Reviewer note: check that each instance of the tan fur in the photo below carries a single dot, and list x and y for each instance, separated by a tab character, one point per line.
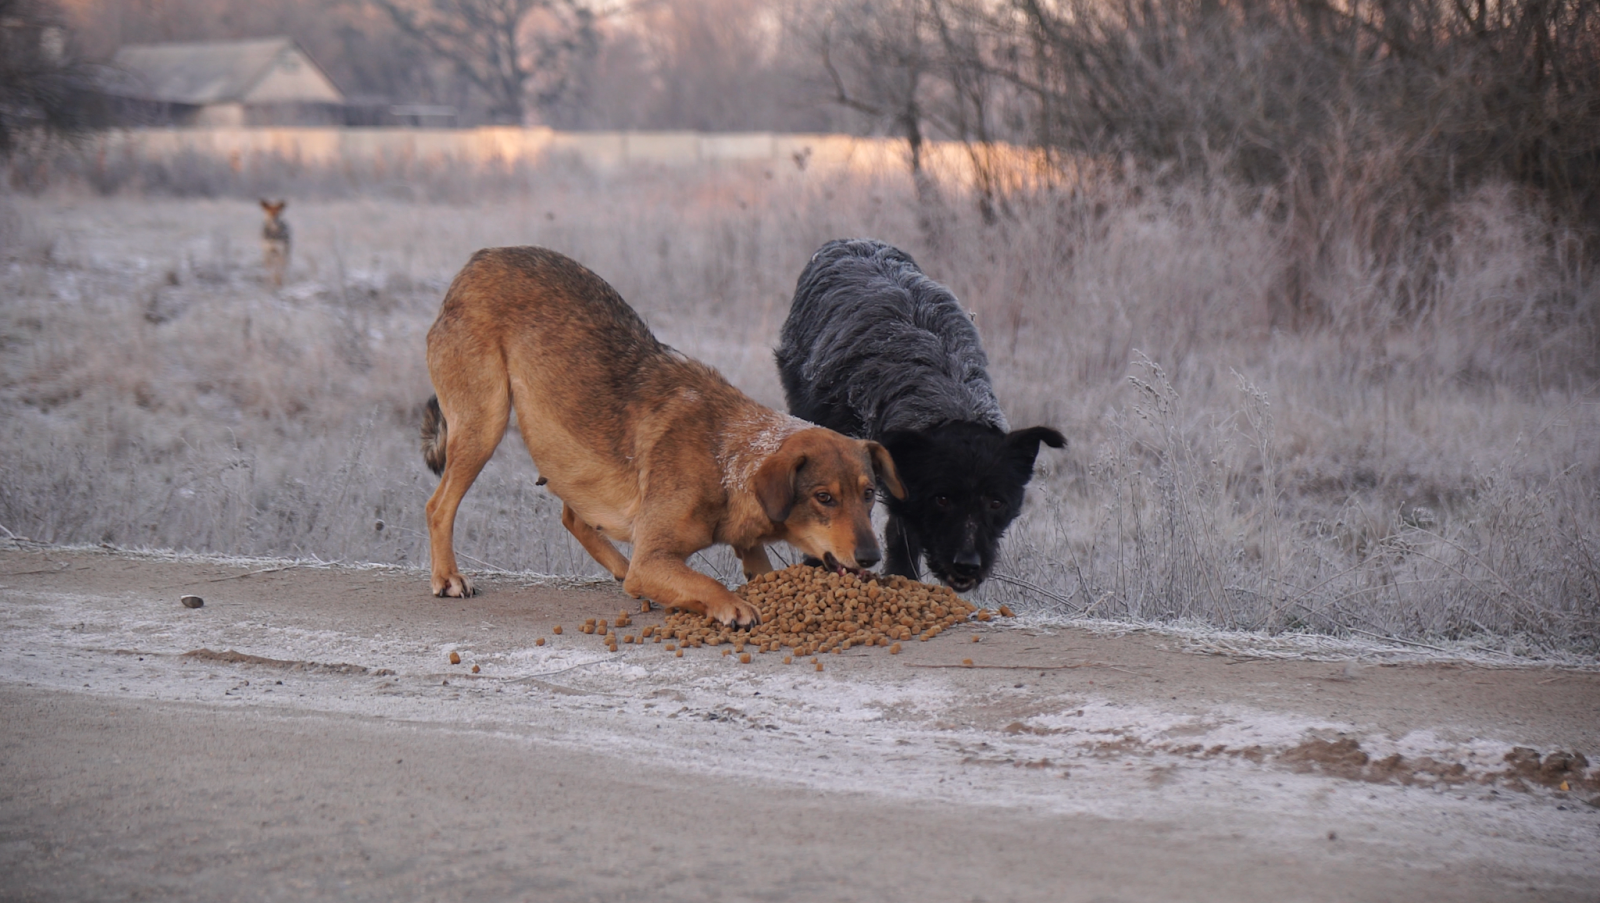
641	444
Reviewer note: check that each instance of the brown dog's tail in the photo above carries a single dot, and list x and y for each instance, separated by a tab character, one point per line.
434	433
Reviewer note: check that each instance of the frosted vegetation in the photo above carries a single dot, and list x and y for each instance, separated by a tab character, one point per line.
1417	461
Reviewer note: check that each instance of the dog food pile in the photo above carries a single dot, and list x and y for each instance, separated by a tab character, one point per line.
809	611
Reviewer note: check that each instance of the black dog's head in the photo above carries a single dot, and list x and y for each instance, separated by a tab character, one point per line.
964	484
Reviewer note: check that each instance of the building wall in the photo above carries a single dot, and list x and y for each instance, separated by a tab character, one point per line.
293	79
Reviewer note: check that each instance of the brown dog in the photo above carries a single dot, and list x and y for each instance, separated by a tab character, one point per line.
640	443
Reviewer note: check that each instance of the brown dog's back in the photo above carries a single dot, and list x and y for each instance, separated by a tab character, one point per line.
641	444
585	375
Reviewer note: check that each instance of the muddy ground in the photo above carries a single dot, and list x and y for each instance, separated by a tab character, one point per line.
303	735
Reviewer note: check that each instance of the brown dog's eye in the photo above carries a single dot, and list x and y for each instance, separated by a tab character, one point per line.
825	498
868	495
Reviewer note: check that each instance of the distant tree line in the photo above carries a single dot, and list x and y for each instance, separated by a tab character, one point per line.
643	64
1408	102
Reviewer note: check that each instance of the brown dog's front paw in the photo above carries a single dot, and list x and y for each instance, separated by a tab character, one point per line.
455	586
735	613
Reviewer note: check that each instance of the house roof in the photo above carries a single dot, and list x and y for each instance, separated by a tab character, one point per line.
208	72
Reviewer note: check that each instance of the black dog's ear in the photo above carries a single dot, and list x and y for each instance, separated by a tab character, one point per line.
1022	446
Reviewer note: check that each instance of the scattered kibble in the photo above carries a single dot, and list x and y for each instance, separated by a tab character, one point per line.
1006	612
539	641
556	630
455	658
744	658
811	610
808	611
475	669
819	666
975	638
967	662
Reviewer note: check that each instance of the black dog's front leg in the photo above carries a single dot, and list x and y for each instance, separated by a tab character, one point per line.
903	549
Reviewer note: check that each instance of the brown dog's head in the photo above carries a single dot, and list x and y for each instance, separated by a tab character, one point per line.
820	486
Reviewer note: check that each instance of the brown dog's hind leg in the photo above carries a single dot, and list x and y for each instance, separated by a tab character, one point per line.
475	418
598	547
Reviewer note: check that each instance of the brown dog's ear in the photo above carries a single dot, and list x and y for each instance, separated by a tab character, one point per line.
883	468
266	204
773	484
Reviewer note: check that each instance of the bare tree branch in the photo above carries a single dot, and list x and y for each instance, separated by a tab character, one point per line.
521	53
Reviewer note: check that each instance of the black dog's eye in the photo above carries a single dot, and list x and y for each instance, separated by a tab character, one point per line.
996	504
943	501
825	498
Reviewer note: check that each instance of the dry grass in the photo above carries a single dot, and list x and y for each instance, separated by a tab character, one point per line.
1426	476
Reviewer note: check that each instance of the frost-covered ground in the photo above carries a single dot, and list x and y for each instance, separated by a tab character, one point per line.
1414	776
1426	479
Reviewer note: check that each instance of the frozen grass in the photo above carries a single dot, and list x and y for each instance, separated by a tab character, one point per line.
1424	476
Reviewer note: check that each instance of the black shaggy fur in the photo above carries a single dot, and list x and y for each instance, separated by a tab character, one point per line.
877	350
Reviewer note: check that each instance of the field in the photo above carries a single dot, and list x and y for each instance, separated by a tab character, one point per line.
1412	467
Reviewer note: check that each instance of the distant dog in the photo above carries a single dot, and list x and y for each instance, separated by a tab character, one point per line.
275	241
640	443
875	349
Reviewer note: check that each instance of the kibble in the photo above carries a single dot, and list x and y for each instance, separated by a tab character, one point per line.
810	610
539	641
475	669
556	630
455	658
1005	612
744	658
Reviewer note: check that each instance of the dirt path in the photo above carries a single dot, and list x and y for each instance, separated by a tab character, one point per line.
304	736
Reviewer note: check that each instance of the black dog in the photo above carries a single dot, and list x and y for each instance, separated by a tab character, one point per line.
875	349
